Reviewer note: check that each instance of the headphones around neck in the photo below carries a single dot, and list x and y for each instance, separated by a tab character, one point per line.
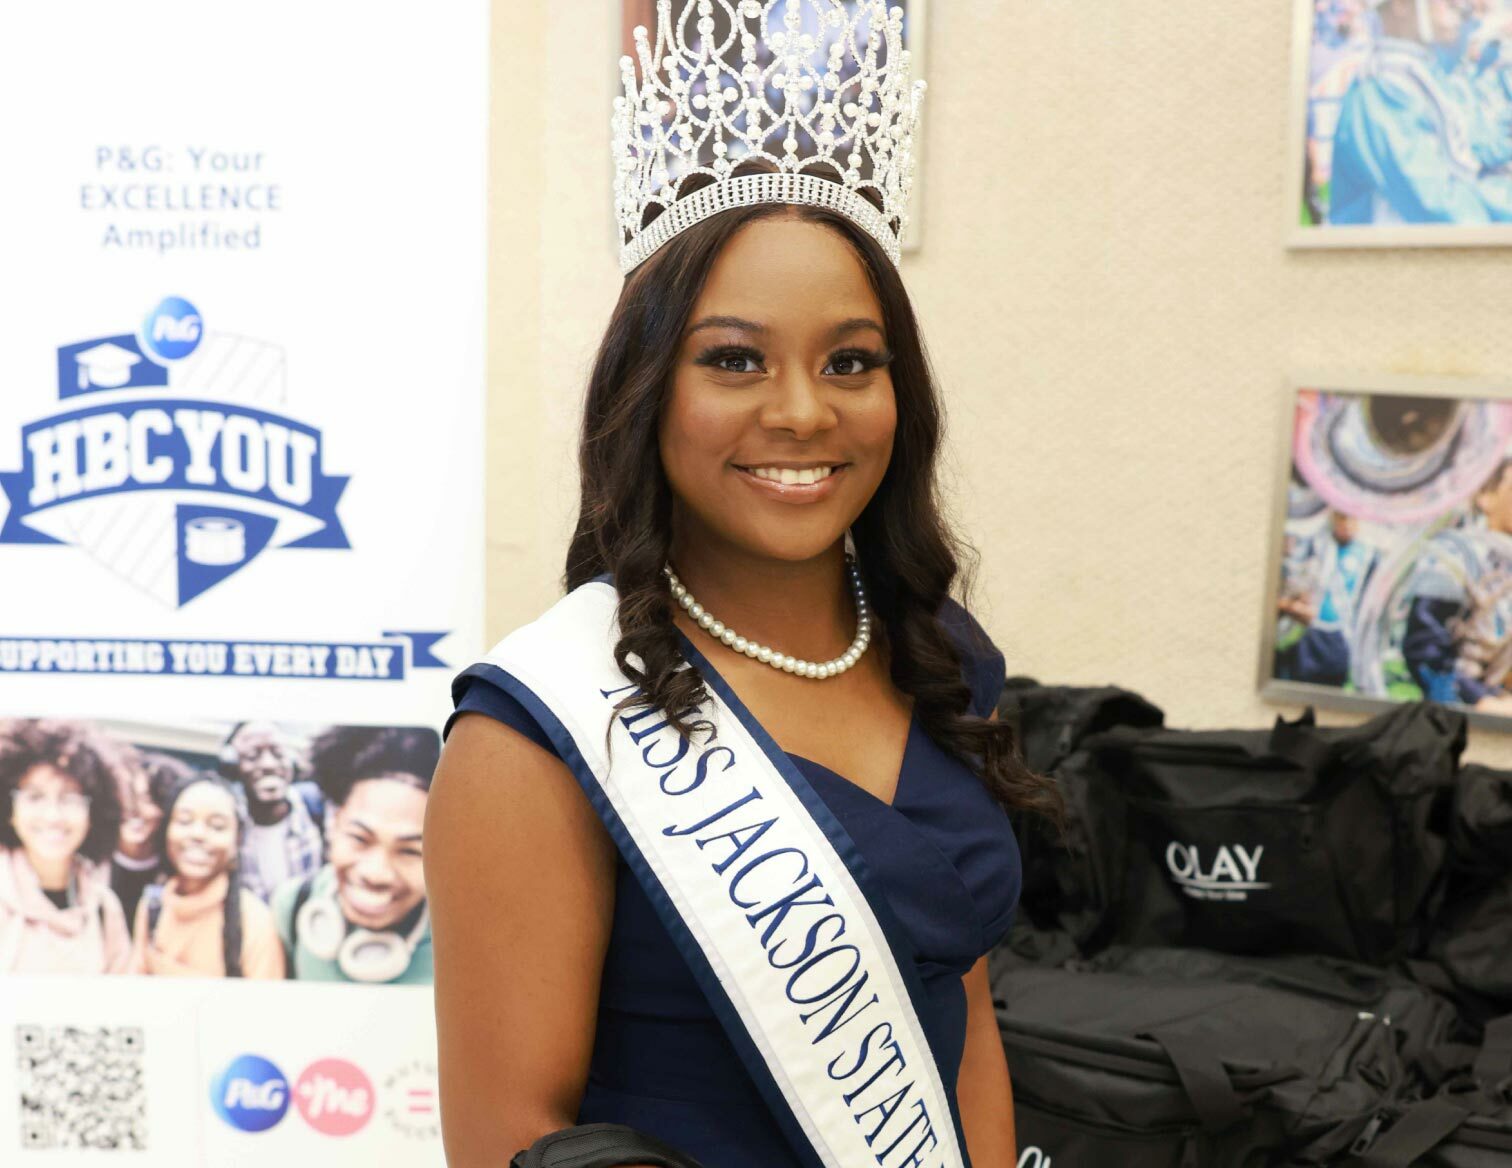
362	955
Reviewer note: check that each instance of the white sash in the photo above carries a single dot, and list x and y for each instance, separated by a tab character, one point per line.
759	886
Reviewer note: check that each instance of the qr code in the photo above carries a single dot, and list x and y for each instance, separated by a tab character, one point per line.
82	1087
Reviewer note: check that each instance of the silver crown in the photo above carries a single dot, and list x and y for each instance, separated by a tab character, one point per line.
811	98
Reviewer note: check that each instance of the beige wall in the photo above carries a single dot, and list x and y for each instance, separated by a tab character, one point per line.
1106	295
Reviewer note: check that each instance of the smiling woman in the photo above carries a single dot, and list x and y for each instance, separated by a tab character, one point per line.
60	820
717	845
200	921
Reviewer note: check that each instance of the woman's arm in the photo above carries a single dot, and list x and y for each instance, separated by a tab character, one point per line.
983	1091
520	876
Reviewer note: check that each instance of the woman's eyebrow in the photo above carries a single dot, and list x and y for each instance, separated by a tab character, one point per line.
732	322
854	324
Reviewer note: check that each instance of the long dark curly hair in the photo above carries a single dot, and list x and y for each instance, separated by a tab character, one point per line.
231	924
908	554
79	751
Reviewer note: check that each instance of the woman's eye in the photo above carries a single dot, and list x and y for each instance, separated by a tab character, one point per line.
730	360
738	363
854	363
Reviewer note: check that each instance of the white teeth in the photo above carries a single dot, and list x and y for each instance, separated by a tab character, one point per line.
790	476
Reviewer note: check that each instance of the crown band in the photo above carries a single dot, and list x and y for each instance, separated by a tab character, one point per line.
799	86
749	190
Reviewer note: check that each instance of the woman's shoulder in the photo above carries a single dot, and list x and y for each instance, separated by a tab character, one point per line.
982	662
255	914
569	625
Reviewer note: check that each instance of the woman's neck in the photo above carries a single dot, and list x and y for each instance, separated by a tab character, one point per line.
803	608
52	874
193	886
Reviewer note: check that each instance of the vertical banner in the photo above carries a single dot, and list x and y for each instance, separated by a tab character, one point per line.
241	553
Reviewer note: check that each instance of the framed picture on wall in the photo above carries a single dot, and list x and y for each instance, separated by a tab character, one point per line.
1390	575
1401	123
635	13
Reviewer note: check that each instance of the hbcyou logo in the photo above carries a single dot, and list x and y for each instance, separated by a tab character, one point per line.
1233	875
1033	1158
335	1097
251	1093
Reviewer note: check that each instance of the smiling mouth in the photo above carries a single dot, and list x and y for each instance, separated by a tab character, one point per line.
801	475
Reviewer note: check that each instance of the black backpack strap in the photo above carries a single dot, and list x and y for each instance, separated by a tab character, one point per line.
1202	1075
1493	1065
154	896
1421	1129
600	1145
302	895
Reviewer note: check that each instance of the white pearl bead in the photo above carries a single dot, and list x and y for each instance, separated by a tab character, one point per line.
695	610
728	636
811	670
788	665
716	627
705	620
764	655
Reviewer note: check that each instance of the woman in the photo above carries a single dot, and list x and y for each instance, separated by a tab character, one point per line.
62	813
148	778
730	897
200	922
363	917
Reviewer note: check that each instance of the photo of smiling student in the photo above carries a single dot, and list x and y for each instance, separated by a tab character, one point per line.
149	778
284	836
200	921
363	917
58	828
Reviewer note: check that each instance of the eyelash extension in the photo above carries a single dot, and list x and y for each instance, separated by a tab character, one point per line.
870	358
718	353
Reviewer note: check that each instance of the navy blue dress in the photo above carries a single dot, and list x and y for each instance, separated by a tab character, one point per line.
943	851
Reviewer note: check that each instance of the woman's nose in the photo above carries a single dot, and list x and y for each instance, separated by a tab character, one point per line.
797	405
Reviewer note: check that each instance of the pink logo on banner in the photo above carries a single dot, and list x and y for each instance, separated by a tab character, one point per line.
335	1097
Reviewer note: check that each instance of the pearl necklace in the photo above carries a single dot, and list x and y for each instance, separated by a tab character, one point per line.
817	670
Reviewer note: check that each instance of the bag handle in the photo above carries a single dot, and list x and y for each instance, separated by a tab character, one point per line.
1421	1129
1299	743
1203	1077
600	1145
1493	1065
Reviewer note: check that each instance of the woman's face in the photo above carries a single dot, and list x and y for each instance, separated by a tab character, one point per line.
50	815
141	817
780	421
375	851
202	833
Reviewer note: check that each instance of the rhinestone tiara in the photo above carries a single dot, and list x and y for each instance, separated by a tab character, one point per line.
818	101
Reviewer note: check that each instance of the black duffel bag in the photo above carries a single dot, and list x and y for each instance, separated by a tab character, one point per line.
1051	722
1422	1022
1467	1124
1296	839
1471	938
1115	1069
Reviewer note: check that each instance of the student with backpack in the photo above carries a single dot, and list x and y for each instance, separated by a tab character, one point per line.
201	921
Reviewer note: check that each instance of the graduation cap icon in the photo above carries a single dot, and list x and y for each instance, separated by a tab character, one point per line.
105	366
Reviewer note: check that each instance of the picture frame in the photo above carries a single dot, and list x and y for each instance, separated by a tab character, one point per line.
1448	194
1389	567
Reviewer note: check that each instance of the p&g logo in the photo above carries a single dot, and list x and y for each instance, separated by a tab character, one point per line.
251	1094
172	329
